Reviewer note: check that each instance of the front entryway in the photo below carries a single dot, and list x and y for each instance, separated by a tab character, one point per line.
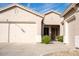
52	31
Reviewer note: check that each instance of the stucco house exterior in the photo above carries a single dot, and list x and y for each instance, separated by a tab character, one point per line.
71	24
19	24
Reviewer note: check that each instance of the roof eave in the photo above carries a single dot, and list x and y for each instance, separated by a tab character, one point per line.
52	11
69	8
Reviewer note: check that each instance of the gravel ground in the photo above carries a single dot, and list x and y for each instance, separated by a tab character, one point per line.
64	53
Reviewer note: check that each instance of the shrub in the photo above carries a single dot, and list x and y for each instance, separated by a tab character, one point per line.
59	38
46	39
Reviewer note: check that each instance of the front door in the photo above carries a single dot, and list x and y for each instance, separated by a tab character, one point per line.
53	33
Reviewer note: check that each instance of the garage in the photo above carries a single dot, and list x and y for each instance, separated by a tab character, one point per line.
19	25
22	33
17	32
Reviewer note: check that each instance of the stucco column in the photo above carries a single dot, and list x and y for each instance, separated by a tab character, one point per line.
38	37
61	29
66	40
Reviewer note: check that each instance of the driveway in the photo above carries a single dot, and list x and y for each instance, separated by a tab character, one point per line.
17	49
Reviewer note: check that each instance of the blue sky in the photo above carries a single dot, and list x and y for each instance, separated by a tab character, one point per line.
42	7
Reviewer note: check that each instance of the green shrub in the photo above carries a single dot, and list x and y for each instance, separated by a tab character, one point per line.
46	39
59	38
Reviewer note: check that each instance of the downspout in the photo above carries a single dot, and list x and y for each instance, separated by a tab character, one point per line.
42	29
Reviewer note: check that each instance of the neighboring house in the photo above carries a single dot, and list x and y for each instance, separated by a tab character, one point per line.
20	24
71	24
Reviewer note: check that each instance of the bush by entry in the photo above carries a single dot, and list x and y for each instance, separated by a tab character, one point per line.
59	38
46	39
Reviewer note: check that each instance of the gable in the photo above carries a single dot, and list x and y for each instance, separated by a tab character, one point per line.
17	14
57	13
52	19
22	7
52	14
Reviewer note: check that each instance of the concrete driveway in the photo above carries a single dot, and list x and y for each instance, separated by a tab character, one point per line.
17	49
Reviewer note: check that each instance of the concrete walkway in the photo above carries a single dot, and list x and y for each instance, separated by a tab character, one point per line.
13	49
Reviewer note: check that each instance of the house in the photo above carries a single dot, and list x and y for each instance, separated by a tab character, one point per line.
71	22
19	24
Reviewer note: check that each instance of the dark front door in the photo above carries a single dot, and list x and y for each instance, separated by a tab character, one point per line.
53	33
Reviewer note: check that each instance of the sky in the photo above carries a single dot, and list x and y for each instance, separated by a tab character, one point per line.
42	7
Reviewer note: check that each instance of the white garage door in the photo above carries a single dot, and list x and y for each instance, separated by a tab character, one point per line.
3	32
71	31
23	33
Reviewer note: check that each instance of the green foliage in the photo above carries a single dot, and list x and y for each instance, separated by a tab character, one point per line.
59	38
46	39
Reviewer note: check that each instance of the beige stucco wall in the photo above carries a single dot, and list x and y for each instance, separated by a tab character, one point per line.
3	32
77	23
54	19
19	15
70	28
71	32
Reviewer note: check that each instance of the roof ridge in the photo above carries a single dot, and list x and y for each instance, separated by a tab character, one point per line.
52	11
31	9
19	5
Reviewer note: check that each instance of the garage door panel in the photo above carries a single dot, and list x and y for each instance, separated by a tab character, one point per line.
4	32
22	32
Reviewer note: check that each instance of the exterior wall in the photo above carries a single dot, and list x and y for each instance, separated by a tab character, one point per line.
17	15
77	29
77	23
70	26
69	29
54	19
71	32
3	32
